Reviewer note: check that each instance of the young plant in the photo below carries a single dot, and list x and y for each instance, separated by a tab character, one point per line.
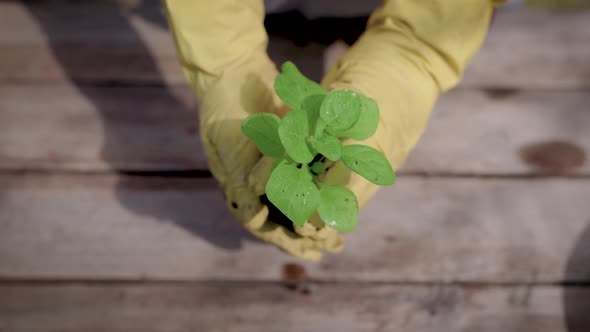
301	142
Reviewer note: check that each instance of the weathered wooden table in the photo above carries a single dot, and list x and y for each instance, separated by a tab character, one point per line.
110	221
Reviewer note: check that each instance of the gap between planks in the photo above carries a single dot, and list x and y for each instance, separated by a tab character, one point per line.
81	227
552	50
134	129
233	307
285	280
206	174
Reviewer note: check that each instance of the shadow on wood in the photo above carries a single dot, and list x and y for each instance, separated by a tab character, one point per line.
162	102
576	303
119	141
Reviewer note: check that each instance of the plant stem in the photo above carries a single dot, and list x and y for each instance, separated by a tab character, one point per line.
315	159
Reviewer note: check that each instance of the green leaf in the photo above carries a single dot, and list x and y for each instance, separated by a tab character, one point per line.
277	162
318	167
341	109
367	123
292	191
262	128
328	145
292	87
311	105
338	208
368	163
293	132
319	128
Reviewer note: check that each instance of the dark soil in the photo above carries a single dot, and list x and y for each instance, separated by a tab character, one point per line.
275	215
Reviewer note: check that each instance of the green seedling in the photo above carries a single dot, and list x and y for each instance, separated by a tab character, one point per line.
310	134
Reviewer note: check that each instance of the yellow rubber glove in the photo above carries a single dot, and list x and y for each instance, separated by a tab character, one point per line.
411	52
222	50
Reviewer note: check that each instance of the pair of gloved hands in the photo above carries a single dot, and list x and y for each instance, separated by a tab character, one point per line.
412	51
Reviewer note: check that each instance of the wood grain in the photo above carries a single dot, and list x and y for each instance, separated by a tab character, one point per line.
422	229
63	127
517	54
492	132
93	42
271	307
105	43
480	243
87	128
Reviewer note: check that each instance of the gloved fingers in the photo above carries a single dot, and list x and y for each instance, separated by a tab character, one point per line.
289	242
312	237
245	205
229	100
307	242
316	229
308	248
259	175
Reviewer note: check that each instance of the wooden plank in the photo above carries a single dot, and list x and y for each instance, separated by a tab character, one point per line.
91	42
270	307
471	132
534	49
85	42
559	4
88	128
422	229
97	42
506	132
532	65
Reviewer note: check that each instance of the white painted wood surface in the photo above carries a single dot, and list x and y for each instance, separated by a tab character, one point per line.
62	127
496	201
272	307
100	43
421	229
